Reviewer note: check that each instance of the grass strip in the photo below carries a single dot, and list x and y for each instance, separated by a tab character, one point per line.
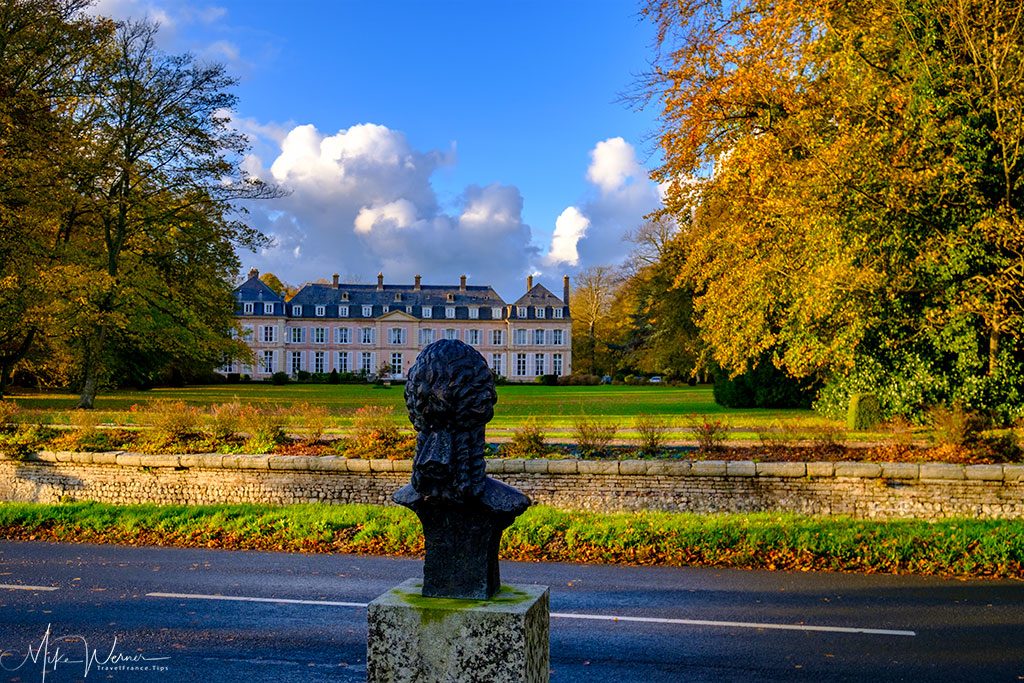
954	547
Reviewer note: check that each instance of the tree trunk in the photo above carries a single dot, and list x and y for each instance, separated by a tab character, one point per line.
993	351
8	361
91	367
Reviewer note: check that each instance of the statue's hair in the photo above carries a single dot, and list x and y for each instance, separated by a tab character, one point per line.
451	389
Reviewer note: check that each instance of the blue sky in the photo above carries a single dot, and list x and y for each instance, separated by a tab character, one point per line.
438	138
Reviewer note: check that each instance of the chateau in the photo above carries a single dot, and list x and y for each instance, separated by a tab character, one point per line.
363	328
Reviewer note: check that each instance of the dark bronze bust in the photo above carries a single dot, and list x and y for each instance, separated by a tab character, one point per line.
450	396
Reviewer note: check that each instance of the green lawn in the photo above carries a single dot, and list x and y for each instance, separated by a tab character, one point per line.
554	407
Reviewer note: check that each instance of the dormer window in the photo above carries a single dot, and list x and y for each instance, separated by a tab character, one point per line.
321	311
556	313
408	309
247	308
367	311
398	296
385	308
449	311
344	296
342	311
474	312
539	312
428	311
496	313
520	311
268	309
450	297
296	310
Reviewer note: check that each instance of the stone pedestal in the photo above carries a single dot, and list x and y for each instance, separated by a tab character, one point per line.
413	639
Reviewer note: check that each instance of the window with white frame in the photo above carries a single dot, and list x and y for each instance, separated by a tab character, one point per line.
520	364
367	311
449	311
520	311
268	309
396	335
556	313
538	312
295	361
385	309
319	335
342	311
496	313
396	363
428	311
366	335
268	361
426	336
318	361
558	337
538	337
519	337
497	337
556	364
247	333
538	364
497	364
366	362
473	337
451	333
321	311
247	307
341	362
342	335
297	310
474	312
294	335
269	334
408	309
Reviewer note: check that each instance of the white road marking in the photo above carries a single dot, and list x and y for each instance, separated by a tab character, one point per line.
19	587
735	624
568	615
240	598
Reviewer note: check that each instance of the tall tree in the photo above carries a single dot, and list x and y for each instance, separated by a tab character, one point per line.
592	318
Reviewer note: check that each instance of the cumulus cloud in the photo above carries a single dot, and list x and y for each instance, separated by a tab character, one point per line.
361	201
592	232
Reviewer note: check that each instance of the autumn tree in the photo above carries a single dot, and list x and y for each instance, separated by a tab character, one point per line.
592	319
859	211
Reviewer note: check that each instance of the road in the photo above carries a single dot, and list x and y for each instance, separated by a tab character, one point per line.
673	624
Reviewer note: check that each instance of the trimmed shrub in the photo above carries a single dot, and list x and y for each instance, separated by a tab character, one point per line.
865	412
548	380
333	377
593	437
527	442
279	378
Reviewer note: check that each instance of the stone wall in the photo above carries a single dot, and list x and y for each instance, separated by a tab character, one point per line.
863	490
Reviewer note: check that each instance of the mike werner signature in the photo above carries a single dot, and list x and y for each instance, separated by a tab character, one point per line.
50	656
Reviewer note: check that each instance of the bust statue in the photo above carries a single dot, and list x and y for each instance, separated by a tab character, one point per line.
450	396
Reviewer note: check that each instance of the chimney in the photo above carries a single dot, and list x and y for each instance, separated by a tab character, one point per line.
335	279
253	273
462	283
529	282
380	282
565	289
416	287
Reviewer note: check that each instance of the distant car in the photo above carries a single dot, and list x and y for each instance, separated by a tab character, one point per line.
655	380
607	379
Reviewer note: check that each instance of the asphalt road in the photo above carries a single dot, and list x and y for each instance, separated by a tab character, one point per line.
674	625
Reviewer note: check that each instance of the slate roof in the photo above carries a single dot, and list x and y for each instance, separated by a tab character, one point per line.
255	290
539	296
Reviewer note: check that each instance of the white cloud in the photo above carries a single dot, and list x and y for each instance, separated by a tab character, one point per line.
591	233
361	201
613	165
570	227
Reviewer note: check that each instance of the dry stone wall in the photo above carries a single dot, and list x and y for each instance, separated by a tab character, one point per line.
862	490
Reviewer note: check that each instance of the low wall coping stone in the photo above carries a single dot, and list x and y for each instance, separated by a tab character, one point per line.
1013	472
562	467
491	466
160	460
515	466
858	470
741	468
64	456
535	466
634	467
403	465
984	472
382	465
129	459
941	470
358	465
901	470
46	456
708	468
781	469
104	458
598	467
821	469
